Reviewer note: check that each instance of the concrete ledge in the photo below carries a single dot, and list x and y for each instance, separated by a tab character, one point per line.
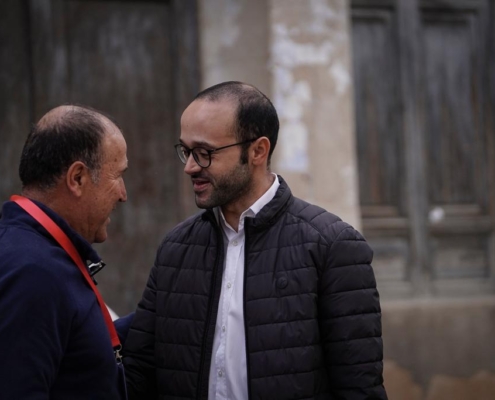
440	345
400	386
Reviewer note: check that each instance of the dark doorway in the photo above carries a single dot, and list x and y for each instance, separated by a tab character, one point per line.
425	92
134	60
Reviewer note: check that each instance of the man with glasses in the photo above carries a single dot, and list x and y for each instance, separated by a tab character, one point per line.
262	295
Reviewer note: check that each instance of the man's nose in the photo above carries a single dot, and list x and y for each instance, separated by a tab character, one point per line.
123	194
191	167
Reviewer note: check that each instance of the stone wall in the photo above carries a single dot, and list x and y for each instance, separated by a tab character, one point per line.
234	42
401	386
298	53
439	348
312	90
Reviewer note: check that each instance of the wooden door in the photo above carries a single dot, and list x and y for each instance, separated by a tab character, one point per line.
137	61
424	76
15	99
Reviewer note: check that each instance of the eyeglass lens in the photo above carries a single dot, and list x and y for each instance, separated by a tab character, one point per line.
200	155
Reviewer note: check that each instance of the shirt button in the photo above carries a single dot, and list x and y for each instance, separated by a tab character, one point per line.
229	285
220	373
223	328
235	243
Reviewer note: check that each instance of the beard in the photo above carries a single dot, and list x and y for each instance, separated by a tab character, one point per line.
225	189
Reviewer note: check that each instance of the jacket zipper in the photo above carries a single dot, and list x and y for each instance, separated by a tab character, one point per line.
248	379
203	387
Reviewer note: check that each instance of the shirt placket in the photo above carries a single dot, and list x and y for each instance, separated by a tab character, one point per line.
232	260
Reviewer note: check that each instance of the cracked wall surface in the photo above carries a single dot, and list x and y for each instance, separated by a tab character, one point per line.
297	52
311	86
234	42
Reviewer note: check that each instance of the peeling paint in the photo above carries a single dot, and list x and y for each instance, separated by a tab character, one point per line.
311	43
341	77
290	53
322	14
232	13
294	152
291	98
296	97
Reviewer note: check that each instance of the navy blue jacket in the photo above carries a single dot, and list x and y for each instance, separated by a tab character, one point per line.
54	343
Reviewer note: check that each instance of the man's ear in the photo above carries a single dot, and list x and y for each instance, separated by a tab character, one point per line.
77	177
260	150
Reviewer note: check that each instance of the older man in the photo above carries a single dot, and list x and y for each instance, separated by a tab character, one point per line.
57	340
262	295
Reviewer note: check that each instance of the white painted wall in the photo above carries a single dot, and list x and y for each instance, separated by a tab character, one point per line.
297	52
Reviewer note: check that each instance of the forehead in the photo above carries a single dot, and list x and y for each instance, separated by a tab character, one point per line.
114	149
208	122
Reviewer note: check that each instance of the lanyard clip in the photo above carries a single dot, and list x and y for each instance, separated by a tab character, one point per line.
118	356
94	268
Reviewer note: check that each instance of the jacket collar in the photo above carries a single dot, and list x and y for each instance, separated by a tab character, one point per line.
13	215
269	214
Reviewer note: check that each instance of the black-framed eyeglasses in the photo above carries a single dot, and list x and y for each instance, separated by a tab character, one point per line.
201	155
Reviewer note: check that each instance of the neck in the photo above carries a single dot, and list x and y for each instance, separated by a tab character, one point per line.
56	200
41	196
232	212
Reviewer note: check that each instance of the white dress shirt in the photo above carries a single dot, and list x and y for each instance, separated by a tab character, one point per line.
228	372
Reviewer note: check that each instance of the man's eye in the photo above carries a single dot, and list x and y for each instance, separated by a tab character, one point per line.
202	153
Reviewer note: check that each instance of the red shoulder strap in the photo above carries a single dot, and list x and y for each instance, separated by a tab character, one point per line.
62	239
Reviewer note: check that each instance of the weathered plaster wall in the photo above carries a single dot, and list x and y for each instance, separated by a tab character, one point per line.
234	42
400	385
440	338
297	52
312	91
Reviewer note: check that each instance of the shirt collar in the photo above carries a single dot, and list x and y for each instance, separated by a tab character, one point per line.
254	209
266	198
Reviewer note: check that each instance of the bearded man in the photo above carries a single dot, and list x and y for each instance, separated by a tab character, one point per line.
262	295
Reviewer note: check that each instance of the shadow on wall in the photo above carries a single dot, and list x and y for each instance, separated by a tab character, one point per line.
401	386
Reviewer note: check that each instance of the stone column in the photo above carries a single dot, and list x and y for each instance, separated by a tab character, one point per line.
312	91
234	42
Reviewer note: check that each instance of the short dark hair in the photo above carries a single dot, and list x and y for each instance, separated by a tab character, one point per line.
255	115
56	142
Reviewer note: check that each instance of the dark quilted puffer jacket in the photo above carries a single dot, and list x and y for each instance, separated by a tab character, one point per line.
312	313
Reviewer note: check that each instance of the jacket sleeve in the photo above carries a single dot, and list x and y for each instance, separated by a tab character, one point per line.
350	319
139	349
34	329
122	326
